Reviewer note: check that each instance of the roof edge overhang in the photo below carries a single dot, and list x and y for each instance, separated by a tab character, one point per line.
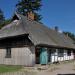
54	46
12	36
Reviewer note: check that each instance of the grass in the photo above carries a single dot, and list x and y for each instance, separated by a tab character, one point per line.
5	68
10	70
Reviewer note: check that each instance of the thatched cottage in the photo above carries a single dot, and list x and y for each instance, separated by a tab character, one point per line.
27	42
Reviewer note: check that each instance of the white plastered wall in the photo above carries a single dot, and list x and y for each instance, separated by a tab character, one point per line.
55	58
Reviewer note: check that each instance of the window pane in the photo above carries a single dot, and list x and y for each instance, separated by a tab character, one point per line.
8	53
60	52
69	52
53	51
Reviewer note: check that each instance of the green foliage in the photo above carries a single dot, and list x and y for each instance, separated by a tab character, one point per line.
6	22
25	6
2	19
3	22
37	17
1	16
71	35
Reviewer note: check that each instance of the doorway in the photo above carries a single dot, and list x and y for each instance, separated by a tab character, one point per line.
37	55
41	56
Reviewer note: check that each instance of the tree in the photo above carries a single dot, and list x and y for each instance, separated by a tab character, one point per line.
7	21
2	19
25	6
71	35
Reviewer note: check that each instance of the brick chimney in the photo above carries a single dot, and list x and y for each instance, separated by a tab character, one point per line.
30	15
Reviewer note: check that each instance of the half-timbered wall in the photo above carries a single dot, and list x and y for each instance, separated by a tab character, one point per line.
55	57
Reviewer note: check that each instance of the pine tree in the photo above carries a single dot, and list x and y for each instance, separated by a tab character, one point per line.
71	35
2	19
25	6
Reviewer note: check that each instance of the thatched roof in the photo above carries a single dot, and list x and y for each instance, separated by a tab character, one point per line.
39	34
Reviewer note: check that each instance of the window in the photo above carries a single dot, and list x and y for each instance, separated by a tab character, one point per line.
68	52
53	51
49	55
8	53
60	52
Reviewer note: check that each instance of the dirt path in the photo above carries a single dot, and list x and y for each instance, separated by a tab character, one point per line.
67	68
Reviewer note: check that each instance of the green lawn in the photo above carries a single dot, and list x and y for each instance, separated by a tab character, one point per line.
5	68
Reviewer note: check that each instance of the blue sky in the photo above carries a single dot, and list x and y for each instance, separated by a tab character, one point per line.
59	13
